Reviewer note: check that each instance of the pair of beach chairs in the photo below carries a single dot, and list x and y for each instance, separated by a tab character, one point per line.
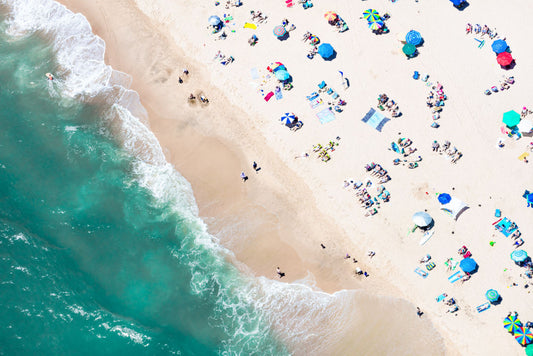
322	87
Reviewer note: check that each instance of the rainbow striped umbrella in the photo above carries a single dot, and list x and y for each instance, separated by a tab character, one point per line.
280	31
523	336
371	15
331	16
512	323
375	25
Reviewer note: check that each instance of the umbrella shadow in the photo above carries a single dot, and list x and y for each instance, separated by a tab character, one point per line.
462	6
510	66
284	37
332	57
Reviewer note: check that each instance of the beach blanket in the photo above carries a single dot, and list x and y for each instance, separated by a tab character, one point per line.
375	119
254	73
421	272
456	276
483	307
279	95
315	102
269	95
325	116
504	226
250	25
441	297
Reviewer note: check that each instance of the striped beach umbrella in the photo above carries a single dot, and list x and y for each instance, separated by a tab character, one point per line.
413	37
523	336
512	323
492	295
375	25
519	255
371	15
529	350
279	31
331	16
287	118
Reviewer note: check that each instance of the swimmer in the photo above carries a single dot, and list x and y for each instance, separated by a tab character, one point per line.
49	76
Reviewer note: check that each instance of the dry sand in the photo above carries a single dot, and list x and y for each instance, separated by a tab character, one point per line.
283	213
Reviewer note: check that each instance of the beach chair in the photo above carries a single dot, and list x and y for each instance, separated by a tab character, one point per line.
467	254
329	91
307	5
335	95
313	96
416	75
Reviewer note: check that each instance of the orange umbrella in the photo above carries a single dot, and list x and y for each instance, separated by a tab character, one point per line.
504	59
331	16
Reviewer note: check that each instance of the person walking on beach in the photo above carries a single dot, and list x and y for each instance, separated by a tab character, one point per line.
255	167
244	177
419	312
185	71
280	274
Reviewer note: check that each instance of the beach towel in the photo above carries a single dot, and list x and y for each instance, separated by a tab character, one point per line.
523	155
250	25
315	102
269	95
279	95
420	272
483	307
504	226
441	297
254	73
456	276
375	119
325	116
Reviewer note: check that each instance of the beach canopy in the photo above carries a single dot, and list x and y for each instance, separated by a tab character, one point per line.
525	126
279	31
492	295
413	37
519	255
375	119
504	59
326	50
214	20
512	323
371	15
511	118
288	118
468	265
529	350
444	198
331	16
499	46
375	25
422	219
282	74
408	49
523	336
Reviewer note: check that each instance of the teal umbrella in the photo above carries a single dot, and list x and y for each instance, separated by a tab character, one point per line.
492	295
408	49
519	255
511	118
512	323
282	75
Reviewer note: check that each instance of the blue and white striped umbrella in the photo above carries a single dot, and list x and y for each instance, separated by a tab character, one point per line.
287	118
413	37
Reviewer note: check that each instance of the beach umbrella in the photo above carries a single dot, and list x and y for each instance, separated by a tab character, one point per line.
457	2
413	37
279	31
325	50
529	350
504	59
468	265
282	75
499	46
525	126
371	15
331	16
287	118
492	295
529	198
523	336
512	323
511	118
422	219
444	198
214	20
408	49
519	255
375	25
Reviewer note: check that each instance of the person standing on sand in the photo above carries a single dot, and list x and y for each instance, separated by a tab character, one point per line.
280	274
419	312
254	166
244	177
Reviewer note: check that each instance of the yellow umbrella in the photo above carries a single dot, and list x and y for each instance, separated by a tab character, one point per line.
331	16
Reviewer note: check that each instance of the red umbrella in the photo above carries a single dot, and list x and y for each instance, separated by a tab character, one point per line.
504	58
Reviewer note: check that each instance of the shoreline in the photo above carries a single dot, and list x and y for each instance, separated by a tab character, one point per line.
247	201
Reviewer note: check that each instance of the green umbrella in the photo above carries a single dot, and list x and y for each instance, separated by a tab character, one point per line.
529	350
409	49
511	118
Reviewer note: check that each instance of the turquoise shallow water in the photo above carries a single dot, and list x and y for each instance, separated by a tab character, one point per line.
90	262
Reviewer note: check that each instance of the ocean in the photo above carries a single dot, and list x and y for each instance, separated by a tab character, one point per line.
102	251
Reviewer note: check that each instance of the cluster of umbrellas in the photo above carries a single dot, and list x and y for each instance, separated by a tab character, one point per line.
412	39
374	19
512	119
279	70
523	335
503	57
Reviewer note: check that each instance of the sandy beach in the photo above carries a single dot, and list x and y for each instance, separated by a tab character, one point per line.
283	213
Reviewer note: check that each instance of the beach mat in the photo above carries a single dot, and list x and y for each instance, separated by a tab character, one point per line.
254	73
456	276
325	116
375	119
250	25
279	95
441	297
315	103
269	96
421	272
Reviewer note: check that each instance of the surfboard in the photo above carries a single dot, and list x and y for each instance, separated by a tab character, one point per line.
426	237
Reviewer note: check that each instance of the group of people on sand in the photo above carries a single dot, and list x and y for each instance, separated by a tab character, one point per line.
385	103
453	153
482	31
323	152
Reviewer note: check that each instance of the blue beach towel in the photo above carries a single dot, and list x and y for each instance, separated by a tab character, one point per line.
315	102
504	226
456	276
441	297
420	272
279	95
254	73
375	119
325	116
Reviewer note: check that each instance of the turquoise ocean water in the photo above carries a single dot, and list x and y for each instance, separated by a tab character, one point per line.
92	260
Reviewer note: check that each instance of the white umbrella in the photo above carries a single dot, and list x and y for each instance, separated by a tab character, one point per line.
525	125
422	219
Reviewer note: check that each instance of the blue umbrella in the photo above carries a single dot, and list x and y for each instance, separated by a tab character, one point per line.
519	255
282	75
457	2
530	198
413	37
492	295
325	50
468	265
214	20
499	46
287	118
444	198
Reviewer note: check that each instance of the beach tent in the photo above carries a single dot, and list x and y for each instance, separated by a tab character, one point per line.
413	37
511	118
214	20
504	59
499	46
282	75
422	219
512	323
519	255
492	295
326	50
468	265
525	126
375	119
452	205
